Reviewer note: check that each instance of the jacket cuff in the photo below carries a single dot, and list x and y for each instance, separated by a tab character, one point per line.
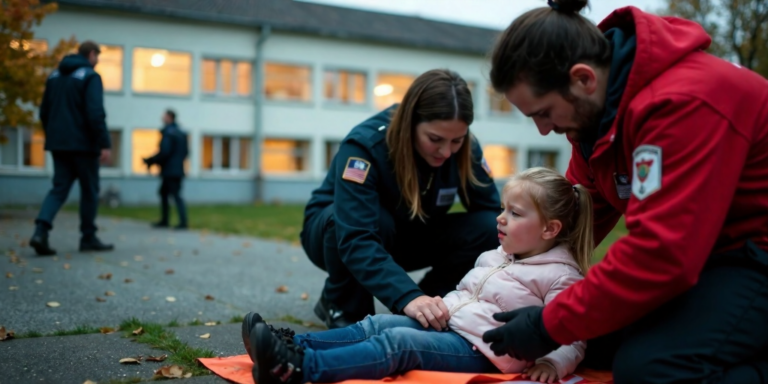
403	301
555	327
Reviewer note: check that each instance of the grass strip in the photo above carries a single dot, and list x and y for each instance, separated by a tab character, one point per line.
158	337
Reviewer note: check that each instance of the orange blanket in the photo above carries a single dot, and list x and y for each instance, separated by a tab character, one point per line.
238	370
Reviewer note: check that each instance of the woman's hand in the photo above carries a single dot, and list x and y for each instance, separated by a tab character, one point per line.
544	373
428	311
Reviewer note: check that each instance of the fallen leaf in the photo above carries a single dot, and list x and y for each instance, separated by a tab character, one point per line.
23	243
170	298
127	281
52	304
109	293
209	297
13	288
305	296
5	335
123	263
68	256
89	382
66	266
100	299
156	358
205	336
171	372
246	244
188	375
105	276
37	270
106	330
9	275
138	331
281	289
145	298
129	360
169	271
138	258
308	324
38	281
211	323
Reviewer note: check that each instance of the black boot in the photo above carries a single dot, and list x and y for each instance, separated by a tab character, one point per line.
160	224
250	321
334	317
39	242
276	362
92	243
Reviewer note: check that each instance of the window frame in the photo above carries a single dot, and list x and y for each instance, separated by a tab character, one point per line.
311	81
19	166
368	93
489	92
217	94
216	152
544	149
517	149
119	169
121	91
380	72
306	172
191	93
326	159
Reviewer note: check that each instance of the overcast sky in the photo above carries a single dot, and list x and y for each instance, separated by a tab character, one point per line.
487	13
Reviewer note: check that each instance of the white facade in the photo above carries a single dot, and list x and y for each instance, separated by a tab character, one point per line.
314	122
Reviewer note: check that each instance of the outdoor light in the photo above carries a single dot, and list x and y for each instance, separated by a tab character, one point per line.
383	90
157	60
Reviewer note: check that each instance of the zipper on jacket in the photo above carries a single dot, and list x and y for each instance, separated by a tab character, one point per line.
480	285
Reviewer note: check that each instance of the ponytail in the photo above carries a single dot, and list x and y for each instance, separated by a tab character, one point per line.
580	238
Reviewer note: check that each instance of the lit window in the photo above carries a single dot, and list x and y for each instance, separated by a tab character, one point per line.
22	148
117	139
284	156
390	89
224	153
161	71
331	148
345	87
144	143
501	159
499	105
287	82
547	159
227	77
110	67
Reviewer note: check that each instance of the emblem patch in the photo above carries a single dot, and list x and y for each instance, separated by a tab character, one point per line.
356	170
446	196
646	171
486	167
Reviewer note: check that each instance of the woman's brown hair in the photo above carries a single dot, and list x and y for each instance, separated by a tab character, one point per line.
438	94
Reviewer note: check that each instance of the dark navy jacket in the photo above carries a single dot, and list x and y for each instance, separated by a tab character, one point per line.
72	111
173	150
356	205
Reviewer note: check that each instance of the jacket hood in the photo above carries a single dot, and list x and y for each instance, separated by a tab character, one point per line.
661	42
556	255
73	62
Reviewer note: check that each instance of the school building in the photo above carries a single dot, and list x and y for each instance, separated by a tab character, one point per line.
266	89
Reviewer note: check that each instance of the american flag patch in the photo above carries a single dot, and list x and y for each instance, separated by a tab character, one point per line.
356	170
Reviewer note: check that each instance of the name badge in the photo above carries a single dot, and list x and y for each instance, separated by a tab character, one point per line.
446	196
623	185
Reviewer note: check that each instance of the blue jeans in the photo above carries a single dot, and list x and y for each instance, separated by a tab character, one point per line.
382	345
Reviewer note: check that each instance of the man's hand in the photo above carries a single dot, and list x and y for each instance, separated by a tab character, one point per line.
428	311
523	336
106	154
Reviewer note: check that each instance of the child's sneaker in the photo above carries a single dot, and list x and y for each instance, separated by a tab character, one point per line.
276	362
250	321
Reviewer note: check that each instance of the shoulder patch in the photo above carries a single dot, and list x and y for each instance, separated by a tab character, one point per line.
486	167
55	73
80	73
356	170
646	171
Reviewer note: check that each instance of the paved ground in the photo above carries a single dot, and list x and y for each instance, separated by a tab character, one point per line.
156	276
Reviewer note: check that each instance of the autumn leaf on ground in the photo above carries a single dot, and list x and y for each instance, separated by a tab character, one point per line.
138	332
305	296
211	323
145	298
68	256
109	293
171	372
105	276
100	299
170	299
246	244
37	270
14	288
38	281
169	271
5	335
209	297
106	330
9	275
66	266
281	289
205	336
52	304
130	360
123	263
138	258
156	358
89	382
128	281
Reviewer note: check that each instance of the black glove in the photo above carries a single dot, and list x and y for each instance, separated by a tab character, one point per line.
523	337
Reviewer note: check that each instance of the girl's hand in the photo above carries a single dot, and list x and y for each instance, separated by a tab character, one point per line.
544	373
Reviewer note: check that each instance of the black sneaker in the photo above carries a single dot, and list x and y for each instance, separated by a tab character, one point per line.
39	242
94	244
276	362
181	227
160	224
250	321
332	316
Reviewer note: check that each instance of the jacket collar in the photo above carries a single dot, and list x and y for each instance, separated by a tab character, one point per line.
556	255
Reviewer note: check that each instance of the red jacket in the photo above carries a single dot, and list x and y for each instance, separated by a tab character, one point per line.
692	134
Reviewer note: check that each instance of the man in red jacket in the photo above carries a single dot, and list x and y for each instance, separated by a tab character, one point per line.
676	140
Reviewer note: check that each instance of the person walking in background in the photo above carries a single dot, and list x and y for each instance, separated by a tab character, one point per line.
74	121
170	158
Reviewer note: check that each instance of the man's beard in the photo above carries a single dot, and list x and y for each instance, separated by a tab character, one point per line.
586	115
